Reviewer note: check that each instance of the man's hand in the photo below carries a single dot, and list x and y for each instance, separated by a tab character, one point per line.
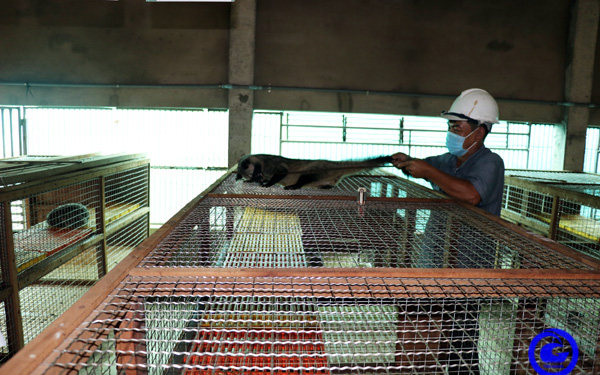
415	167
399	157
412	167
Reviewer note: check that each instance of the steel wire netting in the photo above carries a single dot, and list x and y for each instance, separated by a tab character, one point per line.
121	244
528	203
578	218
297	233
126	191
329	325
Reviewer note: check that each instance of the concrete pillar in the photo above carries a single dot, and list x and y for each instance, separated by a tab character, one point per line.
578	83
241	72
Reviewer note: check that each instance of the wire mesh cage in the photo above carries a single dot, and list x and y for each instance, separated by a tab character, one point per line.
564	206
242	283
327	325
64	227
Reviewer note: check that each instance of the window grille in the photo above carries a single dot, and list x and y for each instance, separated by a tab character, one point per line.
187	148
13	133
335	136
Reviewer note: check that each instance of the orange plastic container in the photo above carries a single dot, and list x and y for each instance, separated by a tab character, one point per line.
263	352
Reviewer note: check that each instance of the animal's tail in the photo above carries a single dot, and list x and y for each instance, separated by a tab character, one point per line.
374	162
359	164
380	160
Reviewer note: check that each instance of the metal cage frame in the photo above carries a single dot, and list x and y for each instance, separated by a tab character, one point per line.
151	317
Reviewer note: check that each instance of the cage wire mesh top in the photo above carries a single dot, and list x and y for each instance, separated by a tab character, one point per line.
579	182
15	170
298	233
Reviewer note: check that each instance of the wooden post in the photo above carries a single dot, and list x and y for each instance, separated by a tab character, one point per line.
555	218
409	238
102	255
452	234
12	306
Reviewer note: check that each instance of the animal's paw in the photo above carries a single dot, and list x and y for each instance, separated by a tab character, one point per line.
326	187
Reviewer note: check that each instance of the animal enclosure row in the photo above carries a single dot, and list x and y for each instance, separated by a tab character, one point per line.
254	280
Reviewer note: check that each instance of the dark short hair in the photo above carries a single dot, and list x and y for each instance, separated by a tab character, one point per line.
475	124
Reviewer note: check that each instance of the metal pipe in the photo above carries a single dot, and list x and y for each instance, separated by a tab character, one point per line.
29	85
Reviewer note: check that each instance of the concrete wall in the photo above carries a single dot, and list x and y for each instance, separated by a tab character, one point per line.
433	47
377	56
110	43
509	47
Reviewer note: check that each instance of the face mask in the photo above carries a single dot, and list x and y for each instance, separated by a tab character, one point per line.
454	143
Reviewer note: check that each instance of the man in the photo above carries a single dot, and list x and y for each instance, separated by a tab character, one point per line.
469	171
472	173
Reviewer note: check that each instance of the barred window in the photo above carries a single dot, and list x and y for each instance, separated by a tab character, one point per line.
336	136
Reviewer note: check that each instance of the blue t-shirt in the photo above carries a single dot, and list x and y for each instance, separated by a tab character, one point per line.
484	169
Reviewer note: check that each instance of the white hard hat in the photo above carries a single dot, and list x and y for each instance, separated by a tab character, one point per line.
474	104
